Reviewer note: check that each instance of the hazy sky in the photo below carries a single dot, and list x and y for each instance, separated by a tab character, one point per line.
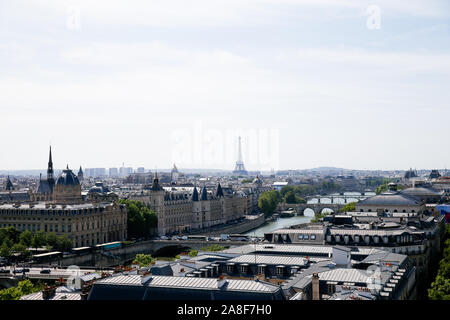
306	83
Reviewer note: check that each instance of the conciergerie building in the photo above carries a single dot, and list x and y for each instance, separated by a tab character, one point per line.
57	206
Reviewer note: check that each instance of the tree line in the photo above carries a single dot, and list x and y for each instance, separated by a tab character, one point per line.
141	221
440	288
14	241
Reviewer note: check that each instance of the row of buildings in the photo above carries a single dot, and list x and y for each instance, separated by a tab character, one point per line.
186	208
256	272
57	206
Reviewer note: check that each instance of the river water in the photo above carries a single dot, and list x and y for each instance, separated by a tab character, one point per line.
309	214
278	224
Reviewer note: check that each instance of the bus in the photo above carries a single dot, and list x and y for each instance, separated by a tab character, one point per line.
47	257
239	237
108	246
81	250
202	238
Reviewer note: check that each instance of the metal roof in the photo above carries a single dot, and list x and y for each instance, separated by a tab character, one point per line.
270	260
344	275
294	249
57	296
189	282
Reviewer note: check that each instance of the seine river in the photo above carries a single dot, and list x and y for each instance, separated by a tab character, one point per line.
279	223
309	214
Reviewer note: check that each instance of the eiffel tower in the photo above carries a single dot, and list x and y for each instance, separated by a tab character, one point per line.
239	168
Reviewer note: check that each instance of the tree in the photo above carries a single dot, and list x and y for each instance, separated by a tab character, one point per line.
23	288
143	260
141	220
5	249
268	201
38	239
50	239
349	207
11	233
20	248
26	238
63	243
440	288
193	253
213	247
291	197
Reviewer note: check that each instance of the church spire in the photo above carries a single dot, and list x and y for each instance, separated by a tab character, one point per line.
50	174
155	185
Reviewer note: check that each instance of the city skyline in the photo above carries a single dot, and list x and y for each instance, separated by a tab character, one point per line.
358	85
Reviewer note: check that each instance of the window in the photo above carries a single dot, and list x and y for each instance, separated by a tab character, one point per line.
331	288
300	237
280	271
313	237
230	268
306	237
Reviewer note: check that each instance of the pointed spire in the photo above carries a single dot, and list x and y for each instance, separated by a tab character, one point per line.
155	185
50	176
50	156
204	194
219	192
9	185
195	194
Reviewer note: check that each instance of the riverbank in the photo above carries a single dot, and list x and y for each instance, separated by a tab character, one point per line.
251	222
280	223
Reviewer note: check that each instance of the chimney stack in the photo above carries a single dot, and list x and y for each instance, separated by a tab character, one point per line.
315	286
48	292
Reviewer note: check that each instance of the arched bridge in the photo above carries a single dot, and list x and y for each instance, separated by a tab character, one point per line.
316	207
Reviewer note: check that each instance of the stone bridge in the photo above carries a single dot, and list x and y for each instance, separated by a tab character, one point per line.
316	207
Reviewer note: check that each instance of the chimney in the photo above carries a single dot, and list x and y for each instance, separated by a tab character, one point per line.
221	282
48	292
315	286
146	278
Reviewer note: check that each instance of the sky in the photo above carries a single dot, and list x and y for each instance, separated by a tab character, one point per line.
305	83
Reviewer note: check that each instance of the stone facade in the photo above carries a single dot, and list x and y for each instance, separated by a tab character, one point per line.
182	209
85	224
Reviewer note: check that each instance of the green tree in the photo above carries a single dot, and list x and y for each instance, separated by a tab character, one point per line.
193	253
213	247
20	248
26	238
144	260
291	197
38	239
268	201
11	233
51	239
63	243
440	288
141	220
23	288
349	207
5	249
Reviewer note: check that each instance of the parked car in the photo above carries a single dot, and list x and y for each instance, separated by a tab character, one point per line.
45	271
184	238
26	269
18	270
164	238
4	271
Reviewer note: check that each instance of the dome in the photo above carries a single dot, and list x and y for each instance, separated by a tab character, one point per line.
67	178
